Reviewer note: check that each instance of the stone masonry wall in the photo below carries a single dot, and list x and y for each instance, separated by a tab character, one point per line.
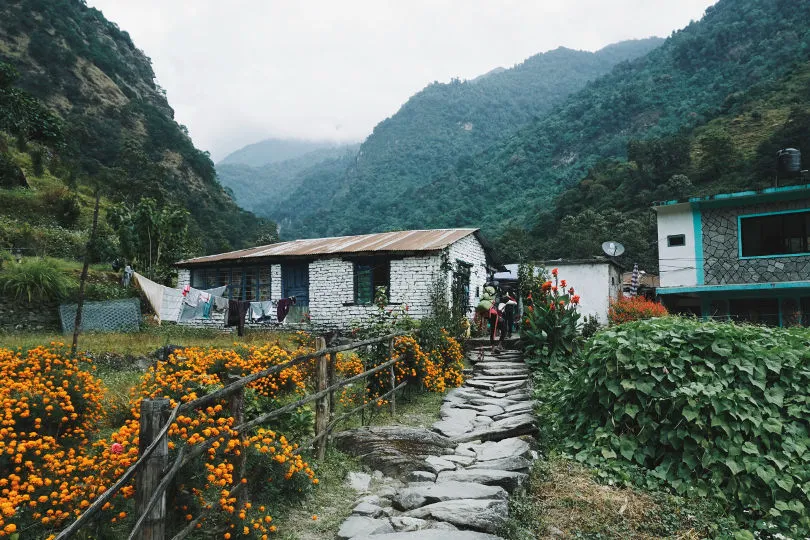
470	251
331	290
722	264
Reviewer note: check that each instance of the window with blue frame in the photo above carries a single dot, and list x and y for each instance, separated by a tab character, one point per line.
770	235
369	275
250	283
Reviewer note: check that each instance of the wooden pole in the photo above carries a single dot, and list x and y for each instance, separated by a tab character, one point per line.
237	408
393	400
77	322
154	414
322	404
331	376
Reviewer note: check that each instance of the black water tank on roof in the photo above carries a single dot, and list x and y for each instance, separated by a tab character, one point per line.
789	162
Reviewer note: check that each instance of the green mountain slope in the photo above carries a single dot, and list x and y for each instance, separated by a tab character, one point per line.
274	150
261	188
117	128
733	151
682	84
445	123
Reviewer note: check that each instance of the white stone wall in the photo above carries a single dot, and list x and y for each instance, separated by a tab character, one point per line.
596	285
275	282
470	251
183	277
678	264
412	280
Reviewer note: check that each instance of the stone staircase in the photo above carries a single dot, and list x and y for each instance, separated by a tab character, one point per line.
463	492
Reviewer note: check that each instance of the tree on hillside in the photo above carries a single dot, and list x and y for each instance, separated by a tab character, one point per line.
151	237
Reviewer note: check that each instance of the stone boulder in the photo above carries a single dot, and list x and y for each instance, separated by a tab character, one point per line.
417	495
480	514
395	450
431	534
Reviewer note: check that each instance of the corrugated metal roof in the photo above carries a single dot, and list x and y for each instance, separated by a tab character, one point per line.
390	242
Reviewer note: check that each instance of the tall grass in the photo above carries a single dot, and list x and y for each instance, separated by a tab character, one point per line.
35	280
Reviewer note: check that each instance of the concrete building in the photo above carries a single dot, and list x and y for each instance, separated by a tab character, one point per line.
597	281
741	256
334	279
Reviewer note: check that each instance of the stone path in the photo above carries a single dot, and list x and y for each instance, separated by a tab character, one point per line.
483	453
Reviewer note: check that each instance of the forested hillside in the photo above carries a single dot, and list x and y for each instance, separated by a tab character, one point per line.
440	126
114	131
260	188
273	150
740	48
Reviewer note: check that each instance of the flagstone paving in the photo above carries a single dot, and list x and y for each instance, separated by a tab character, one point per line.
478	453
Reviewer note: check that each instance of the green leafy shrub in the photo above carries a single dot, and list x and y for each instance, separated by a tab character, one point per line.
34	280
551	321
708	408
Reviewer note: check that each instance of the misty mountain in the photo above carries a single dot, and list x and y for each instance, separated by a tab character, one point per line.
275	150
440	126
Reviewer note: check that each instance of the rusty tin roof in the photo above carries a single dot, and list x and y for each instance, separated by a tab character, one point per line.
389	242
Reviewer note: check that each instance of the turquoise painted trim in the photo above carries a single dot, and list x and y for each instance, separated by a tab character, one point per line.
763	214
738	287
706	308
697	223
729	199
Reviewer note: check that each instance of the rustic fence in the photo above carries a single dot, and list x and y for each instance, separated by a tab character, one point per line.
155	475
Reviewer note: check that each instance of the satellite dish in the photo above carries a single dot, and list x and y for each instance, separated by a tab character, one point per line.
612	249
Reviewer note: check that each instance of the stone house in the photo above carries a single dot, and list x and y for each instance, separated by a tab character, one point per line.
334	279
740	256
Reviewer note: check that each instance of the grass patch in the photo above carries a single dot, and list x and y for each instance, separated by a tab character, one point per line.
331	502
563	498
147	341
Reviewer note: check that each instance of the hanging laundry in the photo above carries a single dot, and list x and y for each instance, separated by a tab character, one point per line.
256	313
237	310
186	289
220	303
152	291
204	297
283	308
191	298
206	307
268	309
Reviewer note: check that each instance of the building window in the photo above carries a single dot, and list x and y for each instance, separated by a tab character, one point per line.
755	310
777	234
369	275
676	240
250	284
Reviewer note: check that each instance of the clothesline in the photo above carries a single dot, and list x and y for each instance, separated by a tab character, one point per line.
188	303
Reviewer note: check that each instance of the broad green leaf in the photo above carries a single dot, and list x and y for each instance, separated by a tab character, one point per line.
750	448
785	482
627	448
733	466
607	453
772	425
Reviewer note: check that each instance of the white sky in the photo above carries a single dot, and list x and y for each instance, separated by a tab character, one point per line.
238	71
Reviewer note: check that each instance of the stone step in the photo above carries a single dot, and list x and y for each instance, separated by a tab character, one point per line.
431	534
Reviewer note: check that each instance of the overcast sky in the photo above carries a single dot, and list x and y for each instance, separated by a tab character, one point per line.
238	71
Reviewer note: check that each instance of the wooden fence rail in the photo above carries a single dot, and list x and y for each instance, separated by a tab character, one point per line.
154	474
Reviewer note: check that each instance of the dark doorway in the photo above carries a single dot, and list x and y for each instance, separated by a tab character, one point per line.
295	282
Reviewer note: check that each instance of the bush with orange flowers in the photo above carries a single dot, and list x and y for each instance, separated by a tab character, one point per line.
51	470
551	320
634	308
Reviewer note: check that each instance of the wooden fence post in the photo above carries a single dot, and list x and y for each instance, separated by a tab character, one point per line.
331	380
237	407
393	400
154	414
322	404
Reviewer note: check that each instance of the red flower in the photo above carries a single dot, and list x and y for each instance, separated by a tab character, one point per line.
575	300
562	303
554	289
571	290
555	272
117	448
546	285
551	305
562	283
